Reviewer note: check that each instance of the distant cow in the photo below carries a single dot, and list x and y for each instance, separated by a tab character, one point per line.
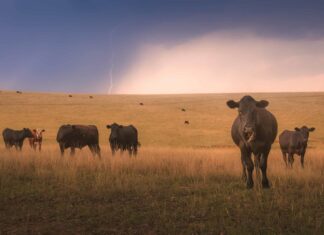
37	139
183	110
70	96
141	104
253	131
294	142
186	122
18	92
78	136
123	138
15	138
91	97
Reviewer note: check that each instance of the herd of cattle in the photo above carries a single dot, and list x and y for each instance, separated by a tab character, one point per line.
77	136
254	131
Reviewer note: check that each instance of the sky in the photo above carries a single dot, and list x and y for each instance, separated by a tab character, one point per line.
161	46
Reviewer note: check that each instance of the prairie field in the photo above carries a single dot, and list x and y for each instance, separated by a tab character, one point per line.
186	179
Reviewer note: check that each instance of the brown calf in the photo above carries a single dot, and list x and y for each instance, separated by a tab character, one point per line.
36	139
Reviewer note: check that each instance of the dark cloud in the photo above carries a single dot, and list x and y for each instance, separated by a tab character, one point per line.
64	45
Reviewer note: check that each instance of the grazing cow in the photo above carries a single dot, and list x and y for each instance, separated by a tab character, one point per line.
78	136
183	110
15	138
294	142
91	97
253	131
186	122
70	96
123	138
18	92
37	139
141	103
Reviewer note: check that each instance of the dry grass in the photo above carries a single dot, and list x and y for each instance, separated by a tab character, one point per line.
162	191
178	184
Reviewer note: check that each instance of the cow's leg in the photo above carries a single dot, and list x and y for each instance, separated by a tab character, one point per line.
40	146
284	157
290	159
62	149
92	150
34	146
263	166
7	145
257	158
302	156
72	153
246	155
20	146
129	148
135	150
98	150
244	177
113	149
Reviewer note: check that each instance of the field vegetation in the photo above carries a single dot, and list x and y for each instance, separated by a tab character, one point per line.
186	179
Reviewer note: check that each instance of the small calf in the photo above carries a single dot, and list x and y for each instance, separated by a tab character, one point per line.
37	139
294	142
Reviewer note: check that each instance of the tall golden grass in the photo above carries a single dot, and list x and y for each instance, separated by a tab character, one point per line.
186	179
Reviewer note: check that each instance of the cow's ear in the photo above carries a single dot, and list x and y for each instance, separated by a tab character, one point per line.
43	130
108	126
34	130
297	129
311	129
120	126
262	103
232	104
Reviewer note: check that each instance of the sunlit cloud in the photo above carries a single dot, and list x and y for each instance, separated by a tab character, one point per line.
227	62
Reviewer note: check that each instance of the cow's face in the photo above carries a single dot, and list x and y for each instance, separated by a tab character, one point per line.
247	108
114	131
38	134
28	133
305	131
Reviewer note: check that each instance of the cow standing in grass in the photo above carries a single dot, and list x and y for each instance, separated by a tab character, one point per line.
37	139
15	138
123	138
294	142
253	131
78	136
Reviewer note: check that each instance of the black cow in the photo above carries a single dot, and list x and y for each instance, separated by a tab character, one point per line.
253	131
123	138
78	136
16	138
294	142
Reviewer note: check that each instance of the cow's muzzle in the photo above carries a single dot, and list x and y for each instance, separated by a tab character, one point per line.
249	134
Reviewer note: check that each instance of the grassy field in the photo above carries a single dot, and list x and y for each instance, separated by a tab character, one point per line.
185	180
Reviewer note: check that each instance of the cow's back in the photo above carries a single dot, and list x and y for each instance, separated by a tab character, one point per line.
128	135
291	140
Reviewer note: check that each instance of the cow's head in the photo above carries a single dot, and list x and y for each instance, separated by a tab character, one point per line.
304	130
114	131
38	134
247	108
27	133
